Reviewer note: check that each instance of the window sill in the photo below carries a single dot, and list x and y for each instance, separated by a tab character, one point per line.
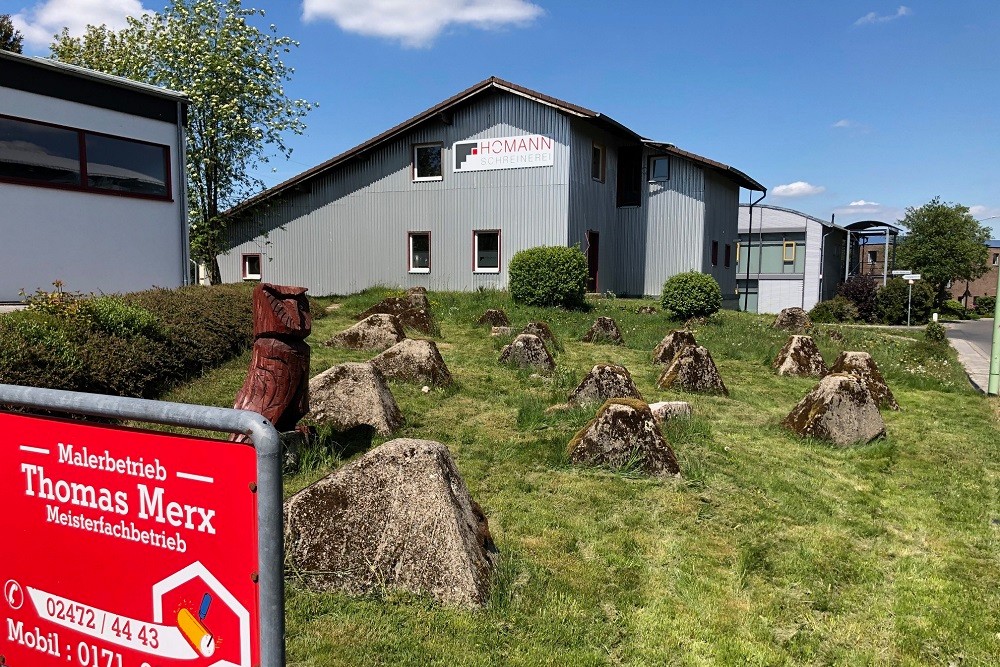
419	271
486	270
425	179
251	278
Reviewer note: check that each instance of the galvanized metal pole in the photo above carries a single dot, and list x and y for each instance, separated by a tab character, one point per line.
270	516
909	302
885	260
993	387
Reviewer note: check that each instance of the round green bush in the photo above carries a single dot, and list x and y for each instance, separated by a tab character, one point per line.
691	294
892	300
832	311
935	333
548	276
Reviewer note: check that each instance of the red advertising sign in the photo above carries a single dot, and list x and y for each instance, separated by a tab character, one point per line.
125	548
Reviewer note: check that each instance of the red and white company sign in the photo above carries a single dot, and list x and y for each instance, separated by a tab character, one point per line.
125	548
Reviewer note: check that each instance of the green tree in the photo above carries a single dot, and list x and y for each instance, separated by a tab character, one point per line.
234	75
944	243
10	37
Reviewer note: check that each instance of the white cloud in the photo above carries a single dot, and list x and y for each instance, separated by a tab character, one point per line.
797	189
417	23
979	211
41	22
844	122
872	18
868	210
862	202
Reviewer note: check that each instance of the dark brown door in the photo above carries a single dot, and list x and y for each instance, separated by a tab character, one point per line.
593	251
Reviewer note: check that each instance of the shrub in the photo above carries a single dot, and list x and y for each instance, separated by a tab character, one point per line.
892	301
832	311
935	333
861	291
548	276
985	305
691	294
953	310
133	345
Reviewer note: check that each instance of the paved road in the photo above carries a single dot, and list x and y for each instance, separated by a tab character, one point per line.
973	340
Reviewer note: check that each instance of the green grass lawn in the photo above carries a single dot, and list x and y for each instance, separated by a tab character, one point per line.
771	550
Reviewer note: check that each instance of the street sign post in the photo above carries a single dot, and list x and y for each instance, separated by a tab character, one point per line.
133	548
909	278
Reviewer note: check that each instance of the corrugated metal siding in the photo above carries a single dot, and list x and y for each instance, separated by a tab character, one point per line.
675	224
350	231
722	200
774	295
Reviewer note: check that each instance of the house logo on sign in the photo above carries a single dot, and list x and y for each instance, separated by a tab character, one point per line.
529	150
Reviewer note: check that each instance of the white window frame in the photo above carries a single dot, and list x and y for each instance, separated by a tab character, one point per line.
996	259
435	144
659	179
475	252
604	162
872	257
409	253
245	269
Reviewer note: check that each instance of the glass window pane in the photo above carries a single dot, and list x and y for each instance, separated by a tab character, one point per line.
659	169
420	251
428	161
487	250
39	153
123	165
597	163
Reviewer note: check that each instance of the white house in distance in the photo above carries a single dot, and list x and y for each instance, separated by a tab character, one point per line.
795	259
446	198
91	181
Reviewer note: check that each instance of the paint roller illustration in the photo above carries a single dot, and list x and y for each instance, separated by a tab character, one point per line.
194	629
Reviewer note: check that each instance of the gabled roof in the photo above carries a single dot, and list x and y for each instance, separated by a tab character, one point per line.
732	173
493	83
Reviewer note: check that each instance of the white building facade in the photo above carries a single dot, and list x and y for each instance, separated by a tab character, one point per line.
91	180
793	259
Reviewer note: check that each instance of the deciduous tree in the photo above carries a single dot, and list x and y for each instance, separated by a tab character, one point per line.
234	75
944	243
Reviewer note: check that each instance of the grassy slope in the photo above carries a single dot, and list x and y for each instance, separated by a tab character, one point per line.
772	550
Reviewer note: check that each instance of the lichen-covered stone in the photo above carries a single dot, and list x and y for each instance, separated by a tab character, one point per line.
646	310
353	394
400	518
862	366
528	351
839	409
694	370
375	332
622	434
502	331
494	317
667	410
413	310
416	361
800	358
540	329
604	330
793	319
604	382
672	343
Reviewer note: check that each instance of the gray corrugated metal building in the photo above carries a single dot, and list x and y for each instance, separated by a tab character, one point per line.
796	260
446	198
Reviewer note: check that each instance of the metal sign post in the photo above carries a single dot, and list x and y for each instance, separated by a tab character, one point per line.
133	548
909	278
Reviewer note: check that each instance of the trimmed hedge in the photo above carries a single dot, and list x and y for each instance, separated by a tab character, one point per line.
132	345
548	276
985	305
893	299
691	294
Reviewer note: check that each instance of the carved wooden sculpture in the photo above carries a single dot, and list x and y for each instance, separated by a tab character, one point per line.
277	384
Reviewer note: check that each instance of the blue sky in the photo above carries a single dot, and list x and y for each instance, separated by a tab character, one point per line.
855	108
